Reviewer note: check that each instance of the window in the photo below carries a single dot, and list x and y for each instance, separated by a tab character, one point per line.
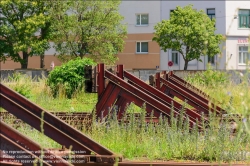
210	59
142	47
244	18
244	55
142	19
175	57
211	13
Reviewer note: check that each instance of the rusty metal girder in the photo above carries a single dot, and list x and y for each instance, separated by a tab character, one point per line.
107	100
100	79
134	94
9	146
182	94
120	71
185	83
157	94
35	122
121	103
29	145
218	109
60	131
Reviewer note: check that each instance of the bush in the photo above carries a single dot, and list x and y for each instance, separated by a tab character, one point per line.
68	77
209	77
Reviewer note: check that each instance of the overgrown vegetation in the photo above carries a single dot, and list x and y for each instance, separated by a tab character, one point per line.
209	78
68	77
140	141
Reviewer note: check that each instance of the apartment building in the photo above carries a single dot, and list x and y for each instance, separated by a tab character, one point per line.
140	51
232	20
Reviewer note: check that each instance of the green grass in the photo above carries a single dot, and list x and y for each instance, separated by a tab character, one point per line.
137	140
40	94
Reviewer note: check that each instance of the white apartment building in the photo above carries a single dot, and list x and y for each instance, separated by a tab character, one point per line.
232	20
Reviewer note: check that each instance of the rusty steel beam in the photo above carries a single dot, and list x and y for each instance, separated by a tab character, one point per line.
157	81
160	163
172	80
100	79
53	124
177	83
138	94
25	156
190	113
9	163
198	104
121	103
156	112
110	100
157	94
188	84
139	102
107	99
158	107
171	91
35	122
30	145
120	71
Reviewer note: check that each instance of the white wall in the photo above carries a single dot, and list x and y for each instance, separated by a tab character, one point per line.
231	23
129	9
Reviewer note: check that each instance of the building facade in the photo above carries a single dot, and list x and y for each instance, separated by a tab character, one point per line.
232	20
140	52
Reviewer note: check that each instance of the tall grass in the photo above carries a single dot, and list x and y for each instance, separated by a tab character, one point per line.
138	140
38	92
164	141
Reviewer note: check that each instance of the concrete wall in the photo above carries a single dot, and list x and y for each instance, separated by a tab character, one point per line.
141	74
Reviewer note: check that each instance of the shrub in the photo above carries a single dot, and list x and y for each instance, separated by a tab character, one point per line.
68	77
209	77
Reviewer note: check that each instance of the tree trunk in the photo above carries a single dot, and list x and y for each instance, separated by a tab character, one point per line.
186	65
24	64
42	61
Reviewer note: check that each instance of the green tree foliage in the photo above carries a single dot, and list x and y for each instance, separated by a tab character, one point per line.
91	28
190	32
20	20
68	77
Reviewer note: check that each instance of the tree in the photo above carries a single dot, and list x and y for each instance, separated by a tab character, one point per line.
190	32
20	20
44	7
91	28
